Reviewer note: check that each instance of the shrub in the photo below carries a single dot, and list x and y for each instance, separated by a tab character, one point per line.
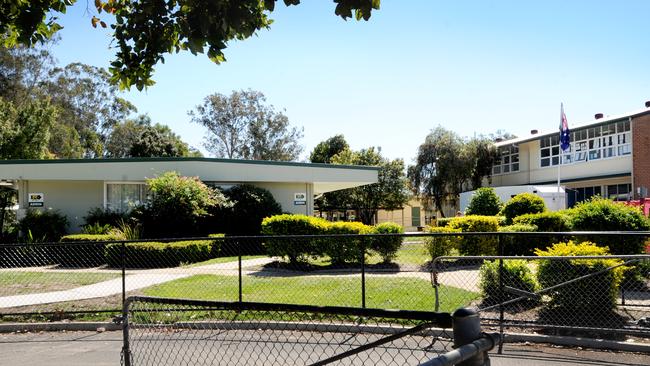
82	255
387	247
248	206
520	245
596	294
176	205
521	204
600	214
545	221
444	221
293	249
484	202
476	245
103	216
345	249
516	274
43	225
159	255
441	245
96	229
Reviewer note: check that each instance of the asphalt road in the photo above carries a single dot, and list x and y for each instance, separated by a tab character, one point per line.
99	349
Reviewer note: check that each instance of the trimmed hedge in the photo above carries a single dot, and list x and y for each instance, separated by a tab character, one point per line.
444	221
520	245
342	250
516	274
600	214
476	245
387	247
545	221
521	204
293	249
159	255
597	294
82	255
441	245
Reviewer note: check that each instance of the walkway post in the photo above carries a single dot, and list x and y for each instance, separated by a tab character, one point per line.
123	252
467	329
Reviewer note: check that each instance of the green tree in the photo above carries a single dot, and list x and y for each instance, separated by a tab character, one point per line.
241	126
484	202
390	193
144	31
25	130
326	150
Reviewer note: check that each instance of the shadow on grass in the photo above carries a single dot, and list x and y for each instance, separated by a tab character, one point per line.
345	268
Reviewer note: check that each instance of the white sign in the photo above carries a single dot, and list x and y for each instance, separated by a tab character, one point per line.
35	199
299	198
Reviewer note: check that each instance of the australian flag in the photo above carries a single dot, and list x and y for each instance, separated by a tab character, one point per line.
565	136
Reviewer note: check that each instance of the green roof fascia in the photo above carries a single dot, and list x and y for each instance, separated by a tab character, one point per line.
181	159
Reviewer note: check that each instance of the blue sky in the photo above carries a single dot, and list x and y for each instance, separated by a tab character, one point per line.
469	66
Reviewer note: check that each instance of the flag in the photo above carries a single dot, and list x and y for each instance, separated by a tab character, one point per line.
565	136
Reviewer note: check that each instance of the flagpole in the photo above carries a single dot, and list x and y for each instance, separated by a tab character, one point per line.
559	163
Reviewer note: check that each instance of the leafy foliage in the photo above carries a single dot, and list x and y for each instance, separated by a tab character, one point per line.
159	255
326	150
25	129
484	202
521	204
600	214
84	255
387	247
44	225
241	126
295	250
545	221
521	245
249	205
516	274
103	216
441	245
176	205
476	245
581	297
346	249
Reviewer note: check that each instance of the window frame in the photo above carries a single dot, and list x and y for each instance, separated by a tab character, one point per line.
106	183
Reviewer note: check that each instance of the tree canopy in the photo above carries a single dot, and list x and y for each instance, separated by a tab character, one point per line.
144	31
242	126
326	150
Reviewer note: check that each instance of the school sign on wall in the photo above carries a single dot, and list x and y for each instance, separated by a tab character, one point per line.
35	199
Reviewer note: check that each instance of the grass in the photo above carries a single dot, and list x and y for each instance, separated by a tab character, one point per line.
223	260
17	283
381	292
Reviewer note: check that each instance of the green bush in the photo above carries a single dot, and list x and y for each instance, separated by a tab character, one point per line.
484	202
441	245
103	216
176	206
600	214
90	254
159	255
516	274
520	245
521	204
387	247
501	220
476	245
293	249
593	295
248	206
97	229
43	225
545	221
444	221
347	249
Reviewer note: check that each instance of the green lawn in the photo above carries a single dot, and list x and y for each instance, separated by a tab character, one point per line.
224	260
381	292
17	283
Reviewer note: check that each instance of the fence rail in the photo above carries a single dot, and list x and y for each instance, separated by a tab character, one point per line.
90	280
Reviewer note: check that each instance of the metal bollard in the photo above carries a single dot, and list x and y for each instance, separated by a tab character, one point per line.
467	329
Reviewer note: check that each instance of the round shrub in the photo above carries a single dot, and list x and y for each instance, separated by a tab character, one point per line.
387	247
444	221
516	274
243	216
600	214
520	245
296	250
476	245
441	245
593	295
43	225
88	254
484	202
545	221
347	249
521	204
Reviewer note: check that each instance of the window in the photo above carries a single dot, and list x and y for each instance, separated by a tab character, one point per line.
123	197
508	160
594	143
585	193
619	192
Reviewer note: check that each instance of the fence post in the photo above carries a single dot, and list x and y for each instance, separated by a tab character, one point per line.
467	329
239	270
123	254
363	273
501	291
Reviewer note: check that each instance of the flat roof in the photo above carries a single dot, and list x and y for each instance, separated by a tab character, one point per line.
576	126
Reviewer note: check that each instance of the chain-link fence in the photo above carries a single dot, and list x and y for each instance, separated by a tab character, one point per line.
190	332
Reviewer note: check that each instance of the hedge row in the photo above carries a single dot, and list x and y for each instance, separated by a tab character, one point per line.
339	249
157	255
